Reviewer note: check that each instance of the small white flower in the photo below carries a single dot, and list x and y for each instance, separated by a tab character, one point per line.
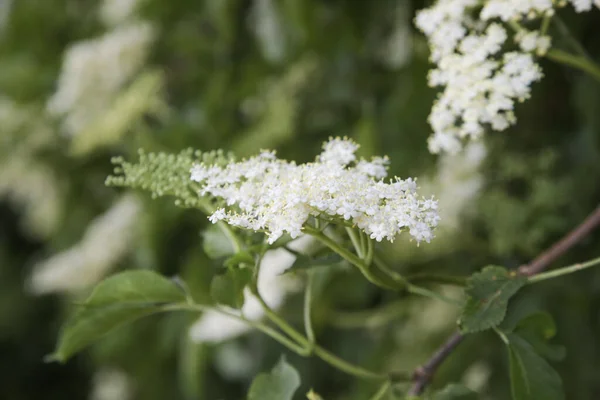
264	193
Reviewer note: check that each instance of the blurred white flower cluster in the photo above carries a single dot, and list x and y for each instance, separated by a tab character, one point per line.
214	327
106	240
95	70
265	21
278	196
113	12
481	82
457	183
111	384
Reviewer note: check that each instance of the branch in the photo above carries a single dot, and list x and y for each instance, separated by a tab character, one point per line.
542	261
423	374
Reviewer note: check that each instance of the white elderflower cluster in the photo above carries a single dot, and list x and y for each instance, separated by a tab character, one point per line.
95	70
277	196
481	82
106	240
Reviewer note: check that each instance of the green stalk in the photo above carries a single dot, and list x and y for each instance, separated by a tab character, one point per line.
348	256
282	324
382	391
438	278
356	242
254	324
431	294
345	366
373	318
310	333
581	63
563	271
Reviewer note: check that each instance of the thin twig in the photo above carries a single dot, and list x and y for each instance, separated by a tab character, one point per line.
423	374
542	261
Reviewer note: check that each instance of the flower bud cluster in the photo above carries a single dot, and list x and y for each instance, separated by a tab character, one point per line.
267	194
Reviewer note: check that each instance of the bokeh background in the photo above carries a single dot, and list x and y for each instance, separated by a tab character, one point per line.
82	81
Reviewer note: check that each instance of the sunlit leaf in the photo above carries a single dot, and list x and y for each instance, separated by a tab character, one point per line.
279	384
117	300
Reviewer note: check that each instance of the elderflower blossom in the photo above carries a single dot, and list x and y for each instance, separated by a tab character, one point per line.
481	82
106	240
278	196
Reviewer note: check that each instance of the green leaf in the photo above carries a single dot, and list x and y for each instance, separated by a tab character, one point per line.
216	244
532	378
489	292
455	391
115	301
228	288
304	262
242	257
537	329
279	384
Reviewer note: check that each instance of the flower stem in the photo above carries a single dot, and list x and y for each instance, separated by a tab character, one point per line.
382	391
578	62
350	257
281	323
310	333
356	242
563	271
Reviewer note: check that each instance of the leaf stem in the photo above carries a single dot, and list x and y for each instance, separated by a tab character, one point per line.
282	324
414	289
267	330
382	391
345	366
572	60
563	271
437	278
369	318
308	347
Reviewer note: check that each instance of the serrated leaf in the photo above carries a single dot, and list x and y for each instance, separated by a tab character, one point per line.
304	262
489	292
454	391
228	288
216	244
117	300
532	378
279	384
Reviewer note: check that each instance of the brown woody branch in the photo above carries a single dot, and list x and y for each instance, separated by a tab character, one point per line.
423	374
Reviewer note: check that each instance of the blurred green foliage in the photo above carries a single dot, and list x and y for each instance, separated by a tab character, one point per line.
329	68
